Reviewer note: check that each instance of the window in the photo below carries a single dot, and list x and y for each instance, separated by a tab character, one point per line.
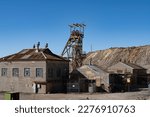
4	72
50	72
39	72
15	72
26	72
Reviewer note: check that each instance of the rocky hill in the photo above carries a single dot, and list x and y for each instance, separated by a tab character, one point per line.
105	58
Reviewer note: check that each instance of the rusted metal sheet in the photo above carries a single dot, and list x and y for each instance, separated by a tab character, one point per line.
33	54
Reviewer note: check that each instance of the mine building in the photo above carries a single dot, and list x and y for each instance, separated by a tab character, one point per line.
131	73
35	70
89	78
117	78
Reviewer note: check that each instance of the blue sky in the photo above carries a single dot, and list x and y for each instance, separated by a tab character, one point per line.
110	23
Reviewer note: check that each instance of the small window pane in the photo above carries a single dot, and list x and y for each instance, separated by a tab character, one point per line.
4	72
39	72
15	72
27	72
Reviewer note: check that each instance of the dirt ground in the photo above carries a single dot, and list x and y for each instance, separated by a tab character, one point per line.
143	94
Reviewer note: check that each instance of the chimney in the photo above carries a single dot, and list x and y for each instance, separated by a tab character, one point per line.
37	48
46	46
38	45
34	46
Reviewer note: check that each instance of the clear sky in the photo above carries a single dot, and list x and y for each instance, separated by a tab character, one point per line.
110	23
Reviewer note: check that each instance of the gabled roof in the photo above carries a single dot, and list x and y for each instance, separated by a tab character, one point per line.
91	72
35	54
132	65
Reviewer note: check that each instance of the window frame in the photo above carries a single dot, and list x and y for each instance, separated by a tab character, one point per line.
25	72
4	72
15	72
39	72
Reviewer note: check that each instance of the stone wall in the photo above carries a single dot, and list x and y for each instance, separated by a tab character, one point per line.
21	83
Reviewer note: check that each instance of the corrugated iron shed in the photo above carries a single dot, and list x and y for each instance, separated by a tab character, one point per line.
91	72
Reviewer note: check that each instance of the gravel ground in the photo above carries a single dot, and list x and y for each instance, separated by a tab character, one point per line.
96	96
138	95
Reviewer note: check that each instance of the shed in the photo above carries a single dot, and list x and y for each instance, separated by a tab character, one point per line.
138	73
90	75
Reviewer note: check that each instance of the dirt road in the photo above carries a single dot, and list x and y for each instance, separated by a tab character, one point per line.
138	95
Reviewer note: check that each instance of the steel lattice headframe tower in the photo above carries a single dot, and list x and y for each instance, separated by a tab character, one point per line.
74	47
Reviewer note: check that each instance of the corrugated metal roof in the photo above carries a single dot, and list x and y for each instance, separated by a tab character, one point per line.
33	54
91	72
134	66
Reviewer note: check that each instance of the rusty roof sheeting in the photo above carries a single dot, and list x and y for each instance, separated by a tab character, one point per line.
33	54
134	66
